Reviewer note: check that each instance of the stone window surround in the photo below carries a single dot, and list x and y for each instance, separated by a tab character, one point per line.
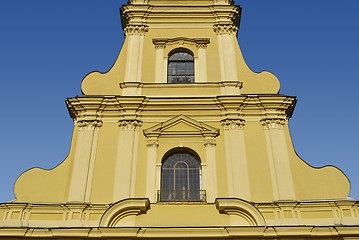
164	46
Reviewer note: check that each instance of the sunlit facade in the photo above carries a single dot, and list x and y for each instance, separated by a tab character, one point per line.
181	139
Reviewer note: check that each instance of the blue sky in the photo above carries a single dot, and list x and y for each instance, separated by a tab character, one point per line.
47	47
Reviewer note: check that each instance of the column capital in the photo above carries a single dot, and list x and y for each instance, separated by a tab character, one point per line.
130	124
210	142
89	124
220	29
160	45
135	30
273	123
233	124
201	45
152	142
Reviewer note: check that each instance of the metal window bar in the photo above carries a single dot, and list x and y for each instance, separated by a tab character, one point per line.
181	195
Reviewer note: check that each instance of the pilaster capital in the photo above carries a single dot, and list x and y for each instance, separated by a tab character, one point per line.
233	124
135	30
152	142
220	29
210	142
89	124
160	45
129	124
201	45
273	123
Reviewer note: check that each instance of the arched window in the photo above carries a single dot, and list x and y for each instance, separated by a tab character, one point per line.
180	68
181	174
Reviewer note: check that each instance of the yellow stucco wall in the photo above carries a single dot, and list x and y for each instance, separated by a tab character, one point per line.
130	117
309	183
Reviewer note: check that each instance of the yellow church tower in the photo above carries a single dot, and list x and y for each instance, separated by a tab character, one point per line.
180	139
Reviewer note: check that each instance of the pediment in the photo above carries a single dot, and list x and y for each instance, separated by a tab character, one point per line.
181	125
159	41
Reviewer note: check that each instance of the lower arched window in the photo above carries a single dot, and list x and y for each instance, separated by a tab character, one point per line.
181	177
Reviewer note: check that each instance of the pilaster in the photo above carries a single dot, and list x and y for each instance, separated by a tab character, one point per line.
236	159
278	157
160	66
202	62
151	179
210	170
126	160
226	34
135	36
84	160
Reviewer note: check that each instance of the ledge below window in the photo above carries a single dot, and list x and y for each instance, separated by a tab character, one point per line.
181	89
181	196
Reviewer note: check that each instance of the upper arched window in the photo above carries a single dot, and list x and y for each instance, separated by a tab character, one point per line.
180	177
180	68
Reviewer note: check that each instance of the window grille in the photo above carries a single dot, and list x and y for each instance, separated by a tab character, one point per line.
181	178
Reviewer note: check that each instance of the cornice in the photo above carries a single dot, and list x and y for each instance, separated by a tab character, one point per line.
338	209
181	2
92	108
182	89
95	108
191	85
225	232
264	107
170	15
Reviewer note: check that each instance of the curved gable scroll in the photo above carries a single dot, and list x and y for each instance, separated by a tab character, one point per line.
123	213
242	213
181	125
